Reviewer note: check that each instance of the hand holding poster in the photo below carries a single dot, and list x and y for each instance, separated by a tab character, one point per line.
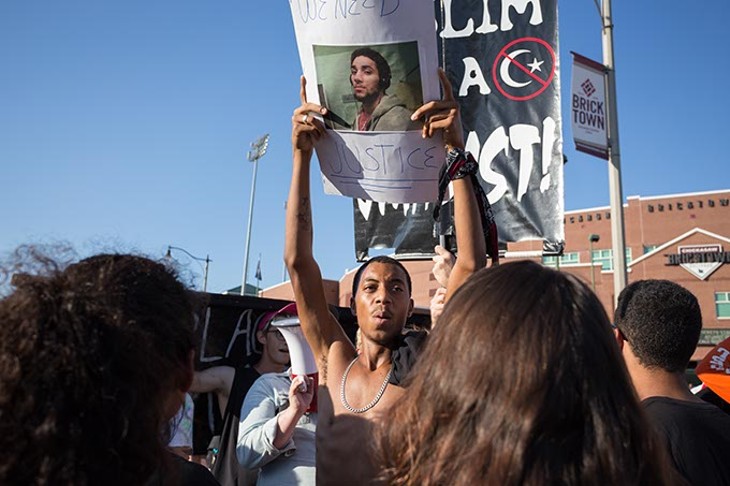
372	64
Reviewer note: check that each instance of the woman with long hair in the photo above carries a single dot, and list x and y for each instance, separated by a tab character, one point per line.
521	383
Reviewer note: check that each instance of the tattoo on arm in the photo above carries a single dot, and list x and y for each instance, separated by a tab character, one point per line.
304	216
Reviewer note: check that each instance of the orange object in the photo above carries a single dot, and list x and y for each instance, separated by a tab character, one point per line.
714	370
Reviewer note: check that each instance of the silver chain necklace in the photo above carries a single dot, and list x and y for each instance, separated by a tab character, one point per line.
370	405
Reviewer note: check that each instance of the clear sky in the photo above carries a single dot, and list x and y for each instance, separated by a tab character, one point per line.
124	125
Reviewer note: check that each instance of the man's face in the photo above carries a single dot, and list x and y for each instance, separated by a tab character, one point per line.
365	79
382	302
274	346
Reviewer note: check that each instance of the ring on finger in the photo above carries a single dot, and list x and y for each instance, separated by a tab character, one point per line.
305	117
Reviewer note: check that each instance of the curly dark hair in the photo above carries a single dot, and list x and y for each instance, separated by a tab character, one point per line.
661	321
521	383
90	357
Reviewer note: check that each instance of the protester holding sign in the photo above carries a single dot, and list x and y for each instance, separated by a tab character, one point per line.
381	291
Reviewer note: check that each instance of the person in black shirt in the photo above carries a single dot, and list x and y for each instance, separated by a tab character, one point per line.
658	326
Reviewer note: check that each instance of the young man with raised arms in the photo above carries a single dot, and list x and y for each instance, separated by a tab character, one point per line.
381	299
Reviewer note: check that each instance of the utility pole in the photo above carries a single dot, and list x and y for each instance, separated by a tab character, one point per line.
618	240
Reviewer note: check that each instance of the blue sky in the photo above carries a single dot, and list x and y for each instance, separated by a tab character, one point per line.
124	125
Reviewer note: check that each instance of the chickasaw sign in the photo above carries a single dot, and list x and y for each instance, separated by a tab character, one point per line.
700	260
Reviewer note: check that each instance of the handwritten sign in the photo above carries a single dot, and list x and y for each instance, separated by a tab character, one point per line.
372	63
399	168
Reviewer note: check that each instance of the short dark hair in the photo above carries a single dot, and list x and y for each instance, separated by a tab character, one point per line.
661	321
380	259
380	63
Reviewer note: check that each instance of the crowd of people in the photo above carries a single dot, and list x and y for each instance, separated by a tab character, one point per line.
522	379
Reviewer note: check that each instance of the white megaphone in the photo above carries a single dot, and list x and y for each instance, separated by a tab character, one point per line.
300	354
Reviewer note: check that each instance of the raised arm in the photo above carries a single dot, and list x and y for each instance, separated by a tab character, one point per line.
320	327
444	115
469	236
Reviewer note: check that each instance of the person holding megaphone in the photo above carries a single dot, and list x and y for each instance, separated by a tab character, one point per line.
279	419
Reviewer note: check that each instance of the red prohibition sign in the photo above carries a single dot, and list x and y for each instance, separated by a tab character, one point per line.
503	56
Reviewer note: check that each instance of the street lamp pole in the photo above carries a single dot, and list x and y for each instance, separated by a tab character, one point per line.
593	238
207	261
618	241
258	149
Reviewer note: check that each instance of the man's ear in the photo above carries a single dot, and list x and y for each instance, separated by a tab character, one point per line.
261	337
620	339
410	308
352	306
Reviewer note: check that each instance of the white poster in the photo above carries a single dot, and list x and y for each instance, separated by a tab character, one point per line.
588	107
372	63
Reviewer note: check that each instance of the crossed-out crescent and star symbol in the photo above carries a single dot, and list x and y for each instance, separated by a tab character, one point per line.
537	74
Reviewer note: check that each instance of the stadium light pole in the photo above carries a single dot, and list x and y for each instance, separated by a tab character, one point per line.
258	149
618	240
207	261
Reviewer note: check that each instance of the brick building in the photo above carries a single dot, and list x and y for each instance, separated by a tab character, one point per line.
680	237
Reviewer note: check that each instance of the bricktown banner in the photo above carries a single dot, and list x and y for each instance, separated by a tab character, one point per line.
588	106
502	59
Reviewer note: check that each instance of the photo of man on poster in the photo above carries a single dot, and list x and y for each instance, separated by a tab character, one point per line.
380	92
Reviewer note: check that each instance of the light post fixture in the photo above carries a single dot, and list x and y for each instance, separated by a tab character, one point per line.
593	238
207	261
618	238
258	149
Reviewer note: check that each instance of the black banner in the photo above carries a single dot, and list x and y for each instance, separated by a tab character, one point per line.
502	60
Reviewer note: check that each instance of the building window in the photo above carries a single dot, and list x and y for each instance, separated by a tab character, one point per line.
722	305
605	258
648	248
571	258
